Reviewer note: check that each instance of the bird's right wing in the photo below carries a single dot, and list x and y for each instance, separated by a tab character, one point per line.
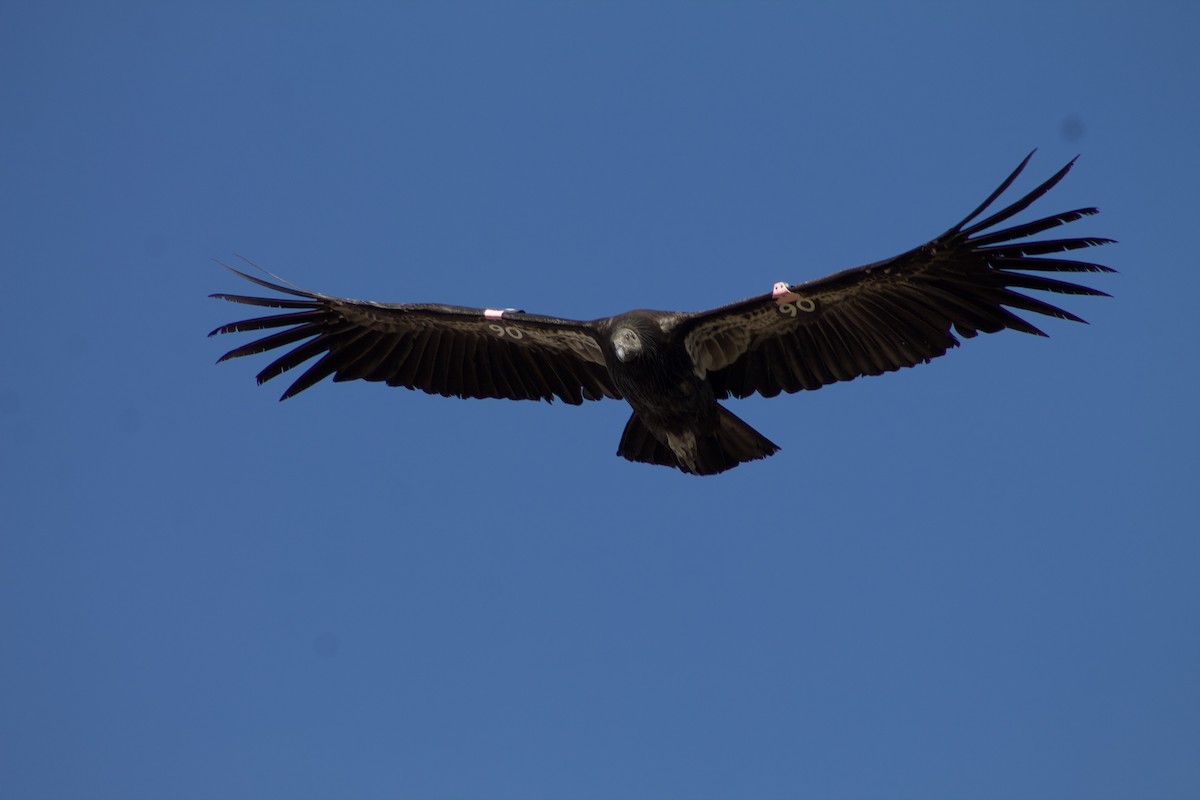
439	349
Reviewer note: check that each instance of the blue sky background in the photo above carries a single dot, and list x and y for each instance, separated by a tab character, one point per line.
973	579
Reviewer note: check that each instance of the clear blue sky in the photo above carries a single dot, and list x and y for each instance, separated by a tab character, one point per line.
977	578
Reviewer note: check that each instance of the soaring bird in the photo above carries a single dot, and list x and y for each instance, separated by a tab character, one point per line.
673	366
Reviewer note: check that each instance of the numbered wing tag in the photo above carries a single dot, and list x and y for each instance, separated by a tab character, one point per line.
498	328
789	303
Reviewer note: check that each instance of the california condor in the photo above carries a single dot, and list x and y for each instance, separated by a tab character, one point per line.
673	366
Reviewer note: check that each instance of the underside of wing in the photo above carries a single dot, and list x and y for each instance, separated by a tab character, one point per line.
895	313
439	349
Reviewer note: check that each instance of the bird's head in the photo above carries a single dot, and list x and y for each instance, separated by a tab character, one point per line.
627	344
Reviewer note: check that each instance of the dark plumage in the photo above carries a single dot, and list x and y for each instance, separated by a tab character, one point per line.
673	367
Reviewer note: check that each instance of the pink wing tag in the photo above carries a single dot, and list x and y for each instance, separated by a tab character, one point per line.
783	295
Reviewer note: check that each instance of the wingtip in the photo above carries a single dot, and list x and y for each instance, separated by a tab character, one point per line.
1021	166
256	266
284	286
266	271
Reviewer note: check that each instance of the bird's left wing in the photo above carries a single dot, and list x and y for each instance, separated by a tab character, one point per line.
891	314
440	349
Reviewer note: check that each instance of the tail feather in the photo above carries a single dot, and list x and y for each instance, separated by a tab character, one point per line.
733	443
639	444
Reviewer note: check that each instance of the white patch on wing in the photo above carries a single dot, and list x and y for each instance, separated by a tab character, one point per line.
489	322
577	342
718	343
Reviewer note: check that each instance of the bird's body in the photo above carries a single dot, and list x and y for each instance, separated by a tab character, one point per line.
671	403
673	367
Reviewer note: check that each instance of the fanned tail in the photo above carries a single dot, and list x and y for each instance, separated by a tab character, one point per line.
734	442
